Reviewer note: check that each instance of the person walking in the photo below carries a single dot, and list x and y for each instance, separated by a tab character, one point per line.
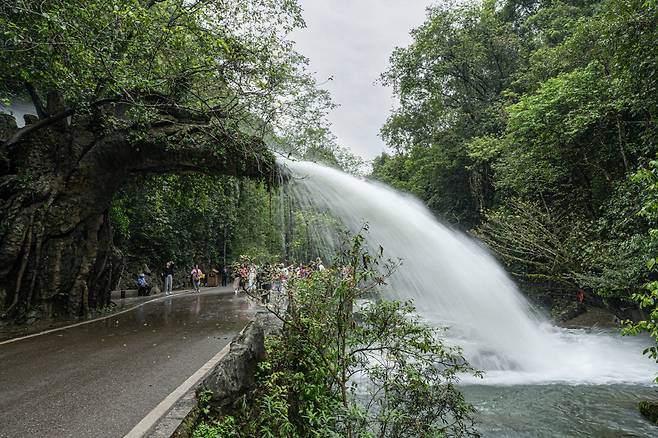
169	277
242	275
251	278
224	275
196	278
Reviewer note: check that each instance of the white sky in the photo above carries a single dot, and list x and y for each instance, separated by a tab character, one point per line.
351	41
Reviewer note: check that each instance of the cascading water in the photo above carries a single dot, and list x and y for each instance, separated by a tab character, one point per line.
455	282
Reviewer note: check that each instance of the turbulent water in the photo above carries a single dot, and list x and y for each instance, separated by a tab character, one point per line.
560	410
454	282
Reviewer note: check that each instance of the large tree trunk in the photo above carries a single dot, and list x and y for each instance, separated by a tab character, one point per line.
56	186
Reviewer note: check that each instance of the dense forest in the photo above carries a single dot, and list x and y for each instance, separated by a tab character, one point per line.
533	124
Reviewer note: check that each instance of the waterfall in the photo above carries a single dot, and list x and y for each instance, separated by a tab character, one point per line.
455	282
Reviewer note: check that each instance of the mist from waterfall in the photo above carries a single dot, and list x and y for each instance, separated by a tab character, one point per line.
456	283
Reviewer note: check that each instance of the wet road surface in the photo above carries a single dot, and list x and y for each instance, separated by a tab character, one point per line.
102	378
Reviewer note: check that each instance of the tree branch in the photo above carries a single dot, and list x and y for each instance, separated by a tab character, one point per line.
36	100
38	125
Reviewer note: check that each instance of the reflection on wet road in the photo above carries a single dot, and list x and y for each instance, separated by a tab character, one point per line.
102	378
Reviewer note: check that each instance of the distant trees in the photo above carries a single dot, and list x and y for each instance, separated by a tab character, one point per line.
192	218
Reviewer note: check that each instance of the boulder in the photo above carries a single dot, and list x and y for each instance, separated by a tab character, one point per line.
235	374
7	126
564	311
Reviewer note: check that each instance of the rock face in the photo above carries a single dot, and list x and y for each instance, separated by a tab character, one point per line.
235	374
56	187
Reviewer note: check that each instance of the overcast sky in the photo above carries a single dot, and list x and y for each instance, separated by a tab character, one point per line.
351	41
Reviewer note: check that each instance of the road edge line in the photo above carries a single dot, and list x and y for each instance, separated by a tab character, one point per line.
151	419
45	332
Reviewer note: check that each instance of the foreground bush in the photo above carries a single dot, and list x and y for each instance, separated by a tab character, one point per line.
348	363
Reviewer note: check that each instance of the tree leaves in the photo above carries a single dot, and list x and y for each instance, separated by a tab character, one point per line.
551	106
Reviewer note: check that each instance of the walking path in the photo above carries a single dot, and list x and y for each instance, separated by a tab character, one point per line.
102	378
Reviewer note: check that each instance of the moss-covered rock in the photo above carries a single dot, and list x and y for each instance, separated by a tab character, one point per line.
649	409
565	310
235	374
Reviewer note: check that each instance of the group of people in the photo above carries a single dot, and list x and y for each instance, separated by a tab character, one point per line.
256	280
197	279
248	276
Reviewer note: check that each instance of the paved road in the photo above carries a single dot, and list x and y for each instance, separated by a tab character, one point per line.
102	378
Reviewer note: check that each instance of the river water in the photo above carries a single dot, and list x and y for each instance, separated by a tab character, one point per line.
540	380
559	410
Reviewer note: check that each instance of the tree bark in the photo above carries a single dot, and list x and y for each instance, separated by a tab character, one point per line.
57	258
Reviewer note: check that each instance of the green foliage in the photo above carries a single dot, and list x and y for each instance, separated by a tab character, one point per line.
542	159
229	63
411	375
347	363
450	82
526	122
649	409
647	298
225	427
196	218
213	220
100	49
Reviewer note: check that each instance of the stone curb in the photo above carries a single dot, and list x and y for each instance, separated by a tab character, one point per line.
183	415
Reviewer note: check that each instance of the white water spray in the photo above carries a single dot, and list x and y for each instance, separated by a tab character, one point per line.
455	282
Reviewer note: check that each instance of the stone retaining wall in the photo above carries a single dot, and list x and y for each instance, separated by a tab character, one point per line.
232	377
